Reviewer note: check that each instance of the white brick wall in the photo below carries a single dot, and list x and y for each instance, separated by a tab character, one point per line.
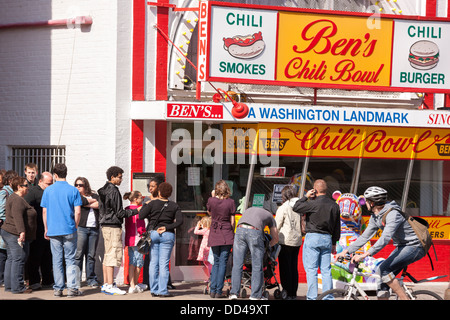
68	86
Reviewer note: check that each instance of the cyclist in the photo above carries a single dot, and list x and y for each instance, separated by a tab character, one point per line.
408	248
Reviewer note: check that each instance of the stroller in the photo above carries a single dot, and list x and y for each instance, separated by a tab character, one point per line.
269	266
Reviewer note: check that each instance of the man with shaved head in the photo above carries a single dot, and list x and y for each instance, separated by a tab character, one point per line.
323	230
40	256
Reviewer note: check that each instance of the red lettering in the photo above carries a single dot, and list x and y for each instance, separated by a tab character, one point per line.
203	10
345	72
317	36
201	71
374	144
202	29
306	72
202	47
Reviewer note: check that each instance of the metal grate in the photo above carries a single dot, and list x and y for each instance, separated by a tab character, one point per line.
44	157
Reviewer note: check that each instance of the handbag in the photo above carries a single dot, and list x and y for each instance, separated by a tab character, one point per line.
144	243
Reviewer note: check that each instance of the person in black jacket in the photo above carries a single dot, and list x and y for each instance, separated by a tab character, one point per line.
112	214
323	230
39	264
88	230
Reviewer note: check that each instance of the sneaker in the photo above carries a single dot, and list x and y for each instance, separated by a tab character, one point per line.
71	293
136	289
93	284
57	293
262	298
233	297
143	286
103	288
36	286
113	290
132	290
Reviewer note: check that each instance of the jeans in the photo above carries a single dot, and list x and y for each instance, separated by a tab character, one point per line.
219	268
64	249
86	248
394	264
253	240
15	262
160	251
317	254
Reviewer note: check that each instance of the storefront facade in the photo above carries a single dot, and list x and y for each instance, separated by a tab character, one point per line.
390	143
130	88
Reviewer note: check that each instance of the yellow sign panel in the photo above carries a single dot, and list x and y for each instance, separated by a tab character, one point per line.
342	141
332	49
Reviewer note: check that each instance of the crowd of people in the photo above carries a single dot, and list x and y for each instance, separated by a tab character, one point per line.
50	227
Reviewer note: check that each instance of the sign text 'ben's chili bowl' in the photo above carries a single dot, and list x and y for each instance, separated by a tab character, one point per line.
295	47
349	142
333	50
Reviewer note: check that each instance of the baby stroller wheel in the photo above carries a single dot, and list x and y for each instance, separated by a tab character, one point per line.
284	294
205	290
266	294
277	294
243	294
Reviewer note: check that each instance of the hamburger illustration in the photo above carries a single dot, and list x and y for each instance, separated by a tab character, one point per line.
424	55
245	47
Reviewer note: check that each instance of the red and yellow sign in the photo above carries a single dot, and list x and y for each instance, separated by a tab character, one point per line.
323	49
340	140
333	49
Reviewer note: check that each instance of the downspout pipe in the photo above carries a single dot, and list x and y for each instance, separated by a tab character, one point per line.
69	23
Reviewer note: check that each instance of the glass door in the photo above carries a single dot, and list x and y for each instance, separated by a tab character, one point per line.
195	177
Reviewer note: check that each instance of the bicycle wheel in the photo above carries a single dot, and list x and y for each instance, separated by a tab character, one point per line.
426	295
336	294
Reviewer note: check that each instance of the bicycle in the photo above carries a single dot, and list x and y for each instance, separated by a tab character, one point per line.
353	291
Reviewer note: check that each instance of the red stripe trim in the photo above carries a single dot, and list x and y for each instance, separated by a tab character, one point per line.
161	146
162	52
137	147
138	80
431	8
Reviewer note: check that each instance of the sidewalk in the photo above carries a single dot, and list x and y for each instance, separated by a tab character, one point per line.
184	291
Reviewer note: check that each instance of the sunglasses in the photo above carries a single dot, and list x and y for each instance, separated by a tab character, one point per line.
23	185
79	185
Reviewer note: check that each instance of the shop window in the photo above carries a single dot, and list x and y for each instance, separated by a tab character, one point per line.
265	189
385	173
429	188
44	157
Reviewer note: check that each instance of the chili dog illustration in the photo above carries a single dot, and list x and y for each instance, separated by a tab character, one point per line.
245	47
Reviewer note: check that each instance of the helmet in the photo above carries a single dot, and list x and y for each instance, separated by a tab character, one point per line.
376	194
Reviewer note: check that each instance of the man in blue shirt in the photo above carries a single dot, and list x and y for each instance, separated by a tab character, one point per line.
61	213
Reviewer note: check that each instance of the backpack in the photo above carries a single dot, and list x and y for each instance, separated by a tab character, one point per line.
6	197
420	227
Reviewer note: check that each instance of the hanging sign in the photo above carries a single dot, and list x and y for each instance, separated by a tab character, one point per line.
323	49
346	141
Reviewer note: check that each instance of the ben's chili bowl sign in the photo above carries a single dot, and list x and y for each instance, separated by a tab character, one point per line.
340	50
264	45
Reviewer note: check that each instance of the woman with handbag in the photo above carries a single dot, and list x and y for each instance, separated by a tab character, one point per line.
164	216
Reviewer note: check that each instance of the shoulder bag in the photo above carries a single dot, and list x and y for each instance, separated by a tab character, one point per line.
143	245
